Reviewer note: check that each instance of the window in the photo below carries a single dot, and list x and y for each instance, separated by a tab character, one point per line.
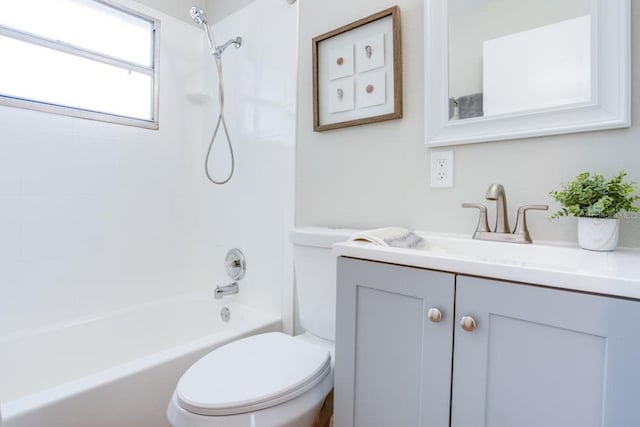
83	58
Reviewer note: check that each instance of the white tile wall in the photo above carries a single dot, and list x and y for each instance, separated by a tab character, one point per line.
255	210
95	216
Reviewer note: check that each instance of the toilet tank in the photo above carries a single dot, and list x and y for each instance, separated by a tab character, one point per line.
315	277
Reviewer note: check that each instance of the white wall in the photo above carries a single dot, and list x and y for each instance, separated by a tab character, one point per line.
96	216
219	10
176	8
254	211
378	175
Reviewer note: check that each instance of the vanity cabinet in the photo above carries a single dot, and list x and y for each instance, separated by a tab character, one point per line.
527	356
544	357
393	364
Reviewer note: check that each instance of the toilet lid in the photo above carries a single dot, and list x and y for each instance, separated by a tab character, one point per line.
251	374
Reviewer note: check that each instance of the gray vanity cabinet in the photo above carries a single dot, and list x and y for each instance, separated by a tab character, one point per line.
393	364
527	356
544	357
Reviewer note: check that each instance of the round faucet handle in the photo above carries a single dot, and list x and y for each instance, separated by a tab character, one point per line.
235	264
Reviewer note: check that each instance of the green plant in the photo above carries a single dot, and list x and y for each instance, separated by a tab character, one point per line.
592	196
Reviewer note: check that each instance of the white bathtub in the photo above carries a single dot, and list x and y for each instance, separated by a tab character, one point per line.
117	369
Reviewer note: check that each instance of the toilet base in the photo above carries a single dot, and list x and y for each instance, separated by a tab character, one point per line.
299	412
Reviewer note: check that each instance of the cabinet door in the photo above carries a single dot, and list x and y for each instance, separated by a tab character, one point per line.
393	364
544	357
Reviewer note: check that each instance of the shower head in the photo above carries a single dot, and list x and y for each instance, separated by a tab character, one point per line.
200	18
198	15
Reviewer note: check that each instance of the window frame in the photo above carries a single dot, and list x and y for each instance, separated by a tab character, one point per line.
151	71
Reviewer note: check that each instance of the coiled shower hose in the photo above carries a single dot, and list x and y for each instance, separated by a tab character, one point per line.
221	122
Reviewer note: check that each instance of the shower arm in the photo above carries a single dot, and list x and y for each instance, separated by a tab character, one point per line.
220	49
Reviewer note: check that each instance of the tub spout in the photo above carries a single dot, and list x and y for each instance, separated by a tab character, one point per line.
221	291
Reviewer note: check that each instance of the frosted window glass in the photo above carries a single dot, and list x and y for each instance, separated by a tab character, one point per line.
36	73
86	24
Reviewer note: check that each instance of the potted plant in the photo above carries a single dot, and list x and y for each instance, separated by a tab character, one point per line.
597	203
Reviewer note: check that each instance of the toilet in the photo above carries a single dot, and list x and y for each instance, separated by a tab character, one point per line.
271	379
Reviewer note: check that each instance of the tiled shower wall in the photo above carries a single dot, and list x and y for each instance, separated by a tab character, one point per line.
254	211
96	216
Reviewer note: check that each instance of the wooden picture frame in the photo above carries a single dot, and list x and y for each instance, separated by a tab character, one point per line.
357	72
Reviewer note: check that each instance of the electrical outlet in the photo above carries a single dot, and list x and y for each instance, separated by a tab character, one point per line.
442	169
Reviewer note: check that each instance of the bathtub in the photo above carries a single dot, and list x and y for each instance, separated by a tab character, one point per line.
118	369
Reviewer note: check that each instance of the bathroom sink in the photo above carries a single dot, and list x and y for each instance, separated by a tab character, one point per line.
532	255
544	263
541	256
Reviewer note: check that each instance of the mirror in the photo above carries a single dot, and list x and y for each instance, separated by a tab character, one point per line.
507	69
509	56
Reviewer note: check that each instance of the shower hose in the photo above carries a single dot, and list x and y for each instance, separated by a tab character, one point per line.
220	124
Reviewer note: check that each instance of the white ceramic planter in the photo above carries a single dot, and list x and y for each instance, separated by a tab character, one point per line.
598	234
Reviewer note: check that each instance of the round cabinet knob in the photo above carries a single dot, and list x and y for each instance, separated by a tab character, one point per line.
434	315
468	323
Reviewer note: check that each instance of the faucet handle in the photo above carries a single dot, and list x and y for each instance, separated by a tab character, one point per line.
483	224
521	223
533	207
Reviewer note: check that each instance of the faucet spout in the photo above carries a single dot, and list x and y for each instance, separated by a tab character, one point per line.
496	192
221	291
502	232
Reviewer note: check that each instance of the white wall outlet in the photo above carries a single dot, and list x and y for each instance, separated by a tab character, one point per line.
442	169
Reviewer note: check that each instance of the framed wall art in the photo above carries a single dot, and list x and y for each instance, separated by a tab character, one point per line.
357	72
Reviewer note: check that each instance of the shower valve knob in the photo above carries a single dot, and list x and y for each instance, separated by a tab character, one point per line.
235	264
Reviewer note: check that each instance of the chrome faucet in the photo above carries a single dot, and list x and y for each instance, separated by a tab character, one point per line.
502	232
222	291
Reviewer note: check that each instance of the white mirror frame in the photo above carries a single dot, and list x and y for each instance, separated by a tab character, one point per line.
611	85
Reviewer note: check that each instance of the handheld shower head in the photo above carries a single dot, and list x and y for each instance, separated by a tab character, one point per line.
200	18
198	15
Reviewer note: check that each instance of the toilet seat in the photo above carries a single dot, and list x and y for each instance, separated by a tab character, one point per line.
253	373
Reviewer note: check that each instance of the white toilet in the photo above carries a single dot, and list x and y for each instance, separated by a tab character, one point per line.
272	379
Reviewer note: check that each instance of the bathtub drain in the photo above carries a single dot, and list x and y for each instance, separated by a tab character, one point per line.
225	314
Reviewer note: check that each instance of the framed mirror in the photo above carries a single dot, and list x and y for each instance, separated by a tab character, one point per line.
509	69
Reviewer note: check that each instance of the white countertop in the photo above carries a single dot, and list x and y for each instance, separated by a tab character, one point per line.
614	273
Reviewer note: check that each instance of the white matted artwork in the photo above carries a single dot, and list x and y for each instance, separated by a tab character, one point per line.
341	63
372	89
341	95
370	53
357	72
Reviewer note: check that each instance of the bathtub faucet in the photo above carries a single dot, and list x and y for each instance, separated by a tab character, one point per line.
230	289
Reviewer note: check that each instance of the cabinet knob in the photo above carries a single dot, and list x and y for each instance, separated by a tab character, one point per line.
434	315
468	323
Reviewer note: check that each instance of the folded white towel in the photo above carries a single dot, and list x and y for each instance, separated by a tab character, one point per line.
396	237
